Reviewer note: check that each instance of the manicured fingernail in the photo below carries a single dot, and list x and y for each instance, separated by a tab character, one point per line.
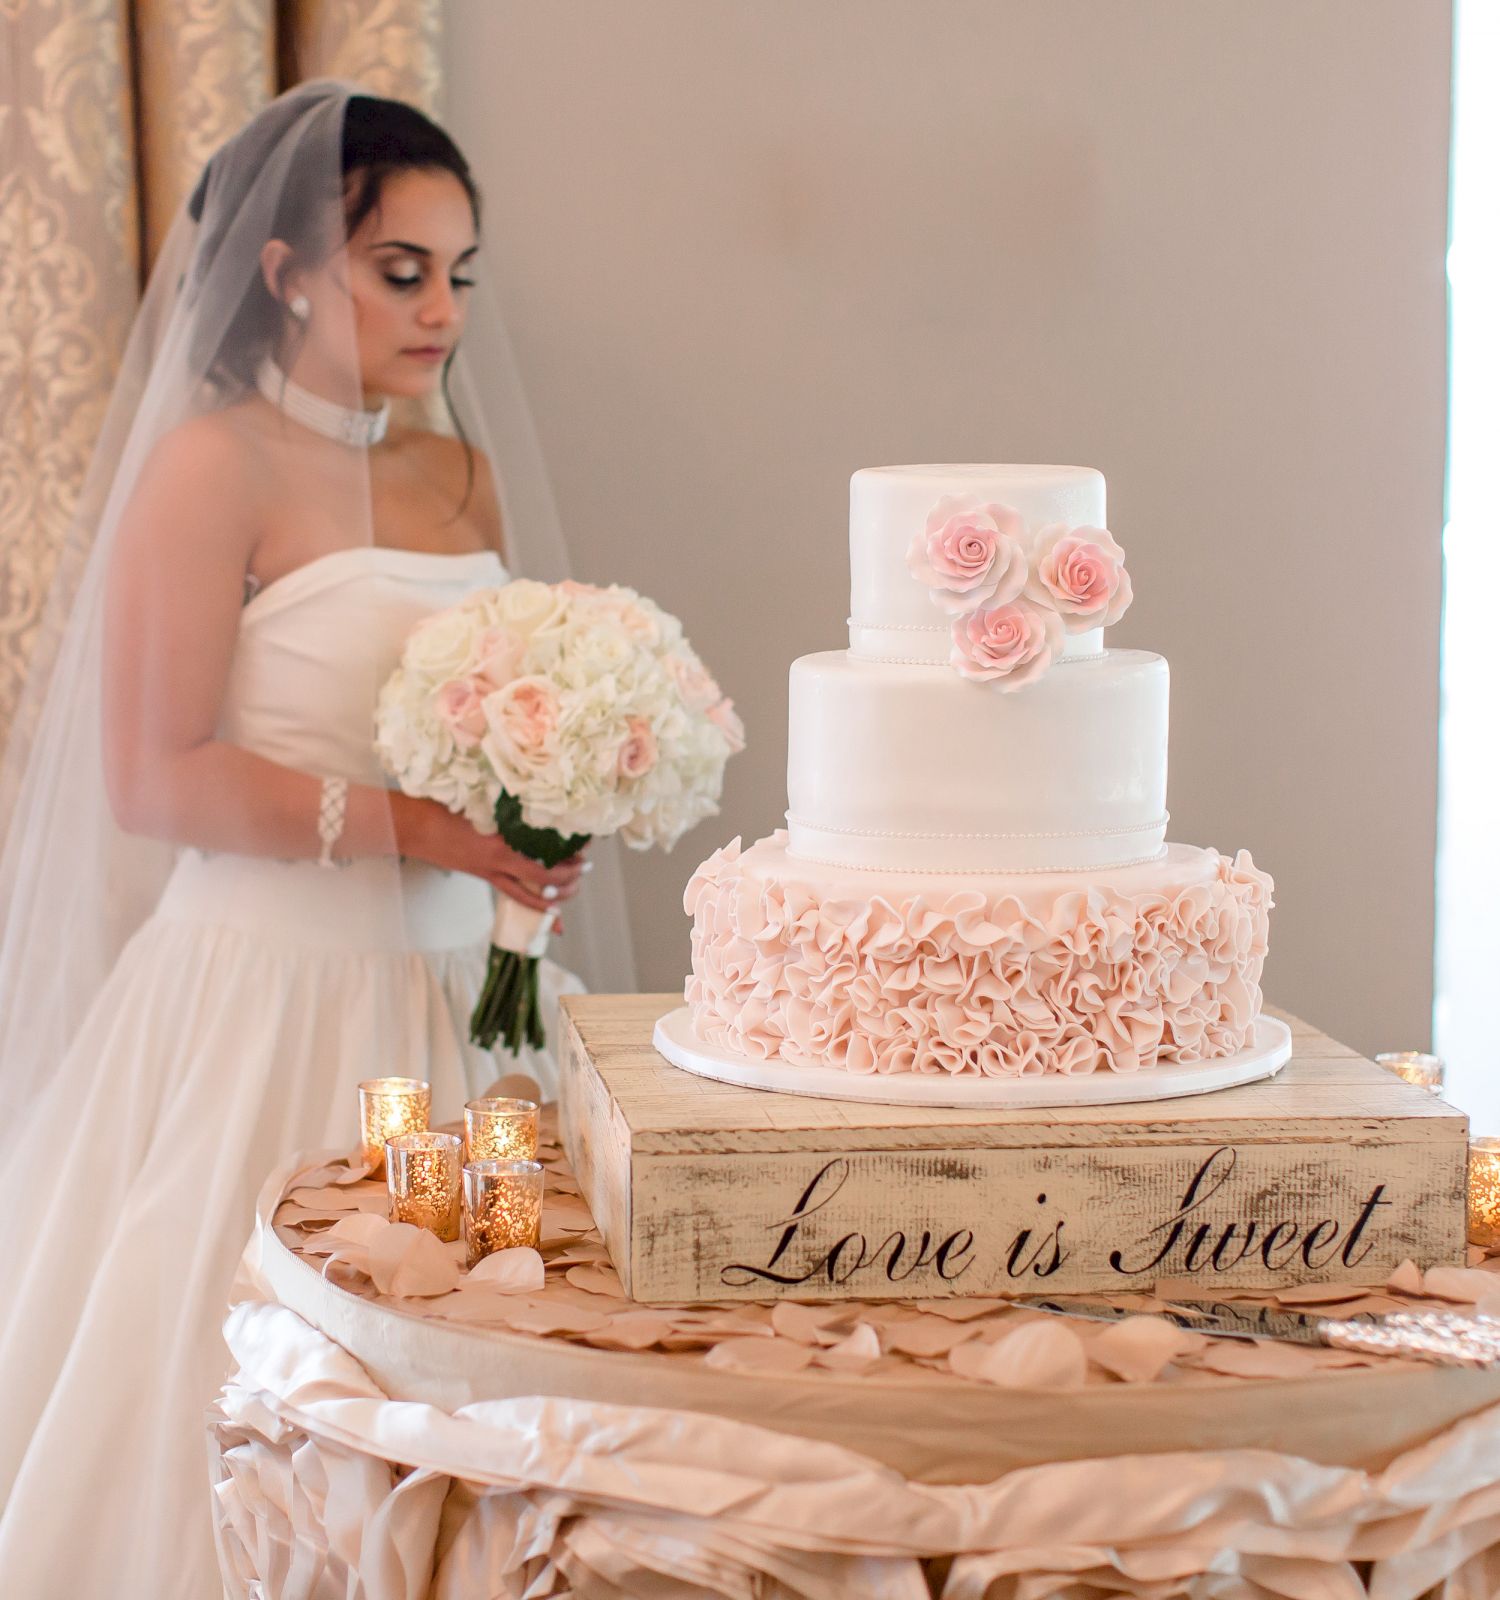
550	892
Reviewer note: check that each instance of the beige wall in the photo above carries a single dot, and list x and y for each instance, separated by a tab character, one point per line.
749	247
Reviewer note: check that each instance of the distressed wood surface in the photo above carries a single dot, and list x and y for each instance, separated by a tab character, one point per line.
1333	1171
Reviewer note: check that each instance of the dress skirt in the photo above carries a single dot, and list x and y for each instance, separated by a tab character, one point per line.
232	1032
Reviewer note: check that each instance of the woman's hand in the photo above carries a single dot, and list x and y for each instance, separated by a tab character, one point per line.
429	831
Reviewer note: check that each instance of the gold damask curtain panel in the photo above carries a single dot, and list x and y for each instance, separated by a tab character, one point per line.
109	110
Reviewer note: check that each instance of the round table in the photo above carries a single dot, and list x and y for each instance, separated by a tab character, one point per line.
398	1427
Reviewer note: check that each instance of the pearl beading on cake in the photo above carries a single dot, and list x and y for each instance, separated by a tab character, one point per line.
969	851
890	644
923	661
895	833
896	627
976	872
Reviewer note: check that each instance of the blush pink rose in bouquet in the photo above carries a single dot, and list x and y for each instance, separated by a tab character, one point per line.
1080	572
727	720
460	708
1010	645
970	554
639	752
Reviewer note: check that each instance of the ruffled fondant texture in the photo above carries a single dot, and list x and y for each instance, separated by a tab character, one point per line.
966	983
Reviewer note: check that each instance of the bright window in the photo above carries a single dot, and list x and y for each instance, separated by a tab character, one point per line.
1468	876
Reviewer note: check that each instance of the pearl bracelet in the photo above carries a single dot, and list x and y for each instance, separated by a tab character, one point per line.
333	801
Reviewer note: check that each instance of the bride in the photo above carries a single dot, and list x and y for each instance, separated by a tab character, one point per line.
217	917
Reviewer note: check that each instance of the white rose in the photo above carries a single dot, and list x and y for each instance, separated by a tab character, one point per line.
668	628
405	738
529	607
624	607
594	646
694	681
441	646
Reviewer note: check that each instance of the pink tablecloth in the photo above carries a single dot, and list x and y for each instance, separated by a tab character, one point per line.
461	1455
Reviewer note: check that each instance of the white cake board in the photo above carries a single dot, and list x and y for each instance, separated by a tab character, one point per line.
1269	1050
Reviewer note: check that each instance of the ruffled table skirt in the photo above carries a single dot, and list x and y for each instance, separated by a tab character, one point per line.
455	1481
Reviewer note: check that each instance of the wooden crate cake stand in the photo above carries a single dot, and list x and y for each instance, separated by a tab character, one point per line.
1334	1171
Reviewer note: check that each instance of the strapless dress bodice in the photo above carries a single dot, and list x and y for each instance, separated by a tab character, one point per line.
313	651
316	646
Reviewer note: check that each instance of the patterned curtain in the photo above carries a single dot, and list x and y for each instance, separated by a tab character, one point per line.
108	110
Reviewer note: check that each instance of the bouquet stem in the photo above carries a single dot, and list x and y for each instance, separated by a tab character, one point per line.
509	1005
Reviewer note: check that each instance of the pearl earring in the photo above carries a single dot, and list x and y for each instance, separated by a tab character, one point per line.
299	306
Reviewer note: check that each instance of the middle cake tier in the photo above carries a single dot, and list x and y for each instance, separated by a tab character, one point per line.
911	767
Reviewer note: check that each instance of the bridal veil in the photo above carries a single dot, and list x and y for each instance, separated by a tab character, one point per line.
74	885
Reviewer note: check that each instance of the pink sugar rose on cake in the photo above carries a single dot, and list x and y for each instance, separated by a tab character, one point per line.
1081	573
970	554
1008	645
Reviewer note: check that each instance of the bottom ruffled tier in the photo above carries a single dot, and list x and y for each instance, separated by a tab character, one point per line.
1117	971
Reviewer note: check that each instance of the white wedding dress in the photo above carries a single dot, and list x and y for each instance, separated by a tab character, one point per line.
232	1032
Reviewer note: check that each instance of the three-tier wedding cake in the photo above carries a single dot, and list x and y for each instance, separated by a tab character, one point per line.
974	877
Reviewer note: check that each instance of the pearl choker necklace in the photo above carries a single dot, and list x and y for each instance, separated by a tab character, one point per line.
322	416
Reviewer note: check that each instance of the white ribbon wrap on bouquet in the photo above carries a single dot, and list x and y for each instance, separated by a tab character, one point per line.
520	929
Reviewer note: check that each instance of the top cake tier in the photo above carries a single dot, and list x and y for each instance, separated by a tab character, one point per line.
892	615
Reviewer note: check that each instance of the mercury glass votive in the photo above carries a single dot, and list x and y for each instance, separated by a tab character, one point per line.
387	1107
500	1130
1484	1191
424	1174
502	1206
1425	1071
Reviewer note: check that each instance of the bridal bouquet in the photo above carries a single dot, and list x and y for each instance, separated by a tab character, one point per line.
551	713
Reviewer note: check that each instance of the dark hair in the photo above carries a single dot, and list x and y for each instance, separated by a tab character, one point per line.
380	137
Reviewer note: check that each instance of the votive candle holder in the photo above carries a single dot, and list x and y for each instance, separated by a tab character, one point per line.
1425	1071
424	1174
500	1130
387	1107
502	1206
1484	1191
